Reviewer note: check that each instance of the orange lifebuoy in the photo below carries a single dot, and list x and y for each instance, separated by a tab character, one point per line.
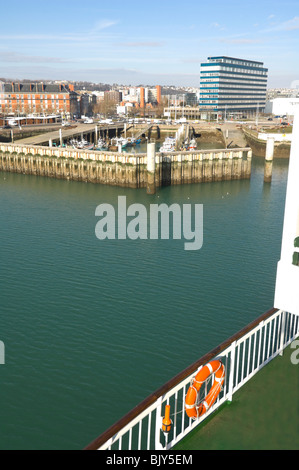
194	409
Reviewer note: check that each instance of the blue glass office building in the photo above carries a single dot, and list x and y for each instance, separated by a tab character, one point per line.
230	85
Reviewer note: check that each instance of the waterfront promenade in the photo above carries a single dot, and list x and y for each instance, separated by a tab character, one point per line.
65	133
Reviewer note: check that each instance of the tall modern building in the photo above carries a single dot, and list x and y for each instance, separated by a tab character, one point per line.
230	85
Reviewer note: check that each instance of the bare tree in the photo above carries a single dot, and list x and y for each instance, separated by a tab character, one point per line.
160	107
106	106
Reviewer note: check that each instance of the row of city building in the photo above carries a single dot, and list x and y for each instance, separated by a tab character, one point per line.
39	98
227	86
45	98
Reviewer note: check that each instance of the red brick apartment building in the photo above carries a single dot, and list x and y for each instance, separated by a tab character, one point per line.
39	98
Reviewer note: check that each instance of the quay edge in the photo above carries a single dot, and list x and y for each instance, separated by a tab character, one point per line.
127	170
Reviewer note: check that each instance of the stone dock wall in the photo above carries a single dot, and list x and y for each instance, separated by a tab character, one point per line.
126	170
281	149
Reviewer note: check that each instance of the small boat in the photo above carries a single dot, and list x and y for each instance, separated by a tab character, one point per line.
102	145
132	141
82	144
89	147
192	145
74	143
167	148
168	145
119	141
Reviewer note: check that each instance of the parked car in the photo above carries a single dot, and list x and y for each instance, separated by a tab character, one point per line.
270	119
284	123
6	126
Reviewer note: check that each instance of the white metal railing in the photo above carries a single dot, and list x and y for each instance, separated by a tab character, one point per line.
243	355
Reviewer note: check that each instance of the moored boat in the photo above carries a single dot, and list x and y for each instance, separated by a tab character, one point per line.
192	145
119	141
81	144
168	145
102	145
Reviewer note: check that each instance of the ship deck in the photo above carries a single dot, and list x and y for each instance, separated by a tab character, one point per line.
264	413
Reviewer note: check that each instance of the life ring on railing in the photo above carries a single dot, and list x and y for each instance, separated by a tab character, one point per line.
192	407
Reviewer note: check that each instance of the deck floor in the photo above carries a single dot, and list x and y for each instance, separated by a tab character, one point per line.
264	413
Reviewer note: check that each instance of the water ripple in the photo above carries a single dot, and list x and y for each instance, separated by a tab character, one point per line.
91	327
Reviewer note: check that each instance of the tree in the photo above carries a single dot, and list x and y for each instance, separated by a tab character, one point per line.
160	107
106	106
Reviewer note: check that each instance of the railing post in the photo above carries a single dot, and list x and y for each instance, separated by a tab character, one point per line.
158	445
283	321
231	372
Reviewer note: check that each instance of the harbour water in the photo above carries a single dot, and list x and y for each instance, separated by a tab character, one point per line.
92	327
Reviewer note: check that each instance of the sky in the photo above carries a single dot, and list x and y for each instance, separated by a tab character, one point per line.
131	42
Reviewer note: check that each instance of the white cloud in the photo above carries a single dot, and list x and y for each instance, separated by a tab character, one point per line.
241	41
15	57
191	61
100	25
93	34
289	25
143	44
217	26
103	24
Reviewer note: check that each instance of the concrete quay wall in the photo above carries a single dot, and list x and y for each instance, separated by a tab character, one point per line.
126	170
281	148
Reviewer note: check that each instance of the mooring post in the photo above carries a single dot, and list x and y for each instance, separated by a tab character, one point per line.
269	159
249	160
151	164
60	137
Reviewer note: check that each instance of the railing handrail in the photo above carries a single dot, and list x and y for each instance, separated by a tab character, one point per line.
116	427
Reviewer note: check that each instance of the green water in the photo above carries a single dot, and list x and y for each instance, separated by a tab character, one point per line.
92	327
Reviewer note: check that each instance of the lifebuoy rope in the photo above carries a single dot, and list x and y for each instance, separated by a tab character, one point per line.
216	392
193	402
